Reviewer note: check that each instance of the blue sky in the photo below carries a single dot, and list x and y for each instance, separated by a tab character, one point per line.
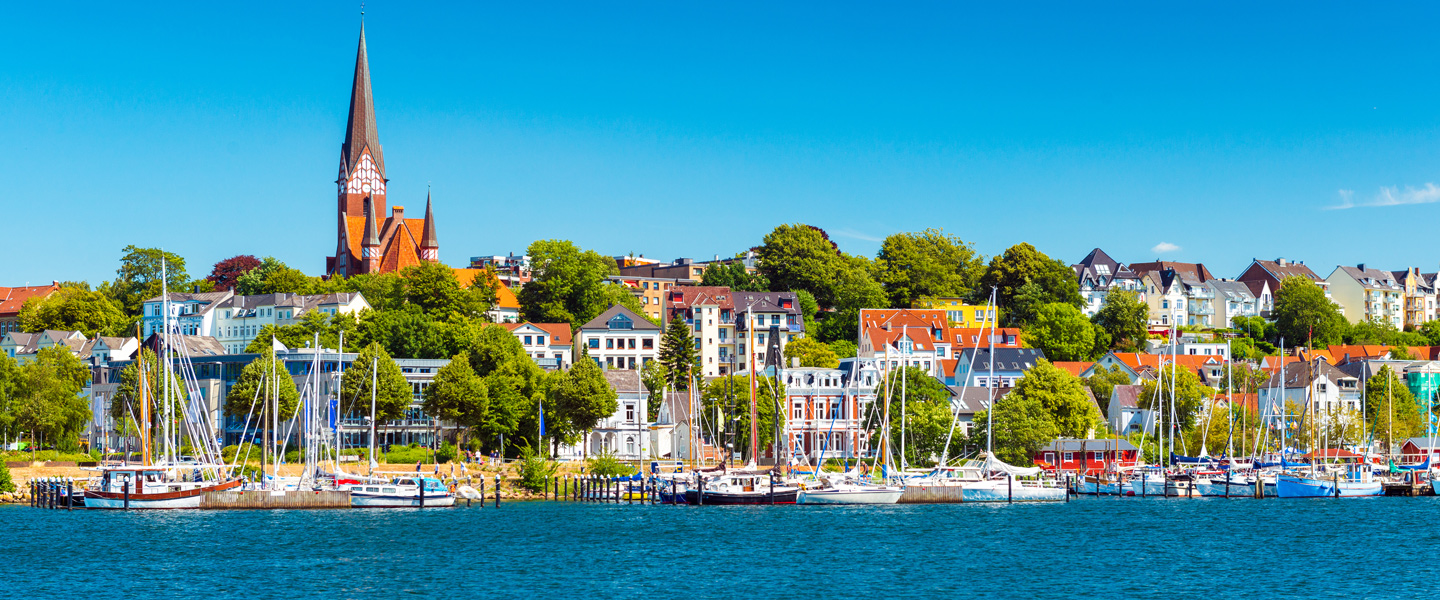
1212	133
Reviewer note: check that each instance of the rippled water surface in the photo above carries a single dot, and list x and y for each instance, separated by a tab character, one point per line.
1100	547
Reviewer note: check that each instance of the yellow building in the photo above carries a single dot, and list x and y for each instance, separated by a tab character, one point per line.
958	312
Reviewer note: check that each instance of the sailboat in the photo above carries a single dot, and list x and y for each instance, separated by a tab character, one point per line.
174	481
1358	478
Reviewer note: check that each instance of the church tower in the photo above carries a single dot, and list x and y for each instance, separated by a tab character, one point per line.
367	242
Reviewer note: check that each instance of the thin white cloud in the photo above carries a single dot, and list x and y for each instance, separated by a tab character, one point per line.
1164	247
1390	196
851	233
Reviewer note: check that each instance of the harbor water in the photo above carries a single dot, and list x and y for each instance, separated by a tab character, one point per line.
1101	547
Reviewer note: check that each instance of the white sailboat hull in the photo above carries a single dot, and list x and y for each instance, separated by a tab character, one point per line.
138	504
362	500
878	495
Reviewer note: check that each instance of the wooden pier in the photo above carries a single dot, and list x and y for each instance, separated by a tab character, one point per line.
930	494
1408	489
264	500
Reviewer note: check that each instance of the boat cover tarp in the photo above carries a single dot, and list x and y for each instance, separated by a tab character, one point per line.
996	465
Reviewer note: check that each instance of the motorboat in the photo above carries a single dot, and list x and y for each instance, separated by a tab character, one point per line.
742	487
399	492
1356	481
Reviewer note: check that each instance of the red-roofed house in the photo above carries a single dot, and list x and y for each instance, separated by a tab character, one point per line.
12	298
550	344
1264	277
1074	367
1208	367
710	313
977	337
907	336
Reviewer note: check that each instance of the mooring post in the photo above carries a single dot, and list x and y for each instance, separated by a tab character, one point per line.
70	494
422	491
482	491
497	490
1009	488
1335	481
1068	481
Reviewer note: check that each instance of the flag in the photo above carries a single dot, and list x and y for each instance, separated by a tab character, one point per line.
542	418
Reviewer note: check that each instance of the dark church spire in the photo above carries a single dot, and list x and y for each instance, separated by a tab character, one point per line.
360	131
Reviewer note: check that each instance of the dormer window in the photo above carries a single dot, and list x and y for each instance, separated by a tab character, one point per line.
620	322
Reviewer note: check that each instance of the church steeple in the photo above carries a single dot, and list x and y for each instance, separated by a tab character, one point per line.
360	132
429	247
362	162
370	243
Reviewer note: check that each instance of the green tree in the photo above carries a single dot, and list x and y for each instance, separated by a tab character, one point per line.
1367	332
517	387
1102	382
568	284
929	263
1063	333
48	401
138	278
677	352
392	393
1021	427
843	348
925	408
1242	378
9	382
1390	408
1022	264
273	277
256	389
407	333
433	287
1063	397
734	276
736	417
811	354
1301	309
582	398
801	257
457	394
1124	317
74	309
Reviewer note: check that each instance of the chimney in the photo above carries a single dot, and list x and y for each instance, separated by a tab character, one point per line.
1282	262
1361	266
398	212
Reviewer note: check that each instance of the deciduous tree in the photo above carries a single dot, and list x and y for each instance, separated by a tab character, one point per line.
926	264
225	273
1301	309
138	278
568	284
48	402
810	354
74	309
582	398
1022	264
1124	317
392	393
1063	397
1063	333
261	382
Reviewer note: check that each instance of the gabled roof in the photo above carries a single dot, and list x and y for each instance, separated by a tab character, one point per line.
1136	361
1234	291
1073	367
602	322
681	297
625	381
1372	279
970	400
1190	272
504	296
1006	359
559	332
766	302
1302	374
1290	268
12	298
1128	396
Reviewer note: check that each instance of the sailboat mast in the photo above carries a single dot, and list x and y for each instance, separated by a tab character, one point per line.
990	379
374	364
904	366
754	411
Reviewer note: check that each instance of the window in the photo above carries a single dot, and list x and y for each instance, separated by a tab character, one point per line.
609	343
1164	304
647	344
1050	457
629	412
799	411
1097	456
527	340
610	361
540	340
620	322
632	343
1069	456
774	319
594	343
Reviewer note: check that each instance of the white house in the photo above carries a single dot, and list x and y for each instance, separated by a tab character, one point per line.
1124	412
621	339
238	319
624	434
826	412
1300	381
194	314
549	344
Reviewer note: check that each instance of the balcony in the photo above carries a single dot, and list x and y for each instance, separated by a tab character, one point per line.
1201	308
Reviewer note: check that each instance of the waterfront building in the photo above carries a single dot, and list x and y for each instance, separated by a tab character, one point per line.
826	411
624	434
193	313
1086	457
238	319
960	314
1329	388
763	313
620	339
1420	296
1124	413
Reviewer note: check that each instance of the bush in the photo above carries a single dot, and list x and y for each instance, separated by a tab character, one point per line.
606	465
535	471
7	485
446	453
406	455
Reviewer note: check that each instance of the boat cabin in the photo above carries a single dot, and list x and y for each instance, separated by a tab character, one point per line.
1086	456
